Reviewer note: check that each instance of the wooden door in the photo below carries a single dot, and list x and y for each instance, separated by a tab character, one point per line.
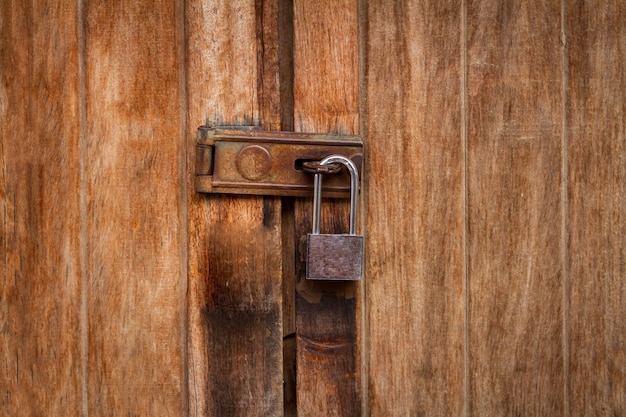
493	204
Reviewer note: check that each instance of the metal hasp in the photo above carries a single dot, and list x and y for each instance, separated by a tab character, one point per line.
244	160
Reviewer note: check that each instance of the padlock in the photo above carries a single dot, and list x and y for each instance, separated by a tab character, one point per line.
336	257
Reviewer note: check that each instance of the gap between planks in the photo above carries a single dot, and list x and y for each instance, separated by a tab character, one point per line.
183	216
465	188
565	205
363	335
82	109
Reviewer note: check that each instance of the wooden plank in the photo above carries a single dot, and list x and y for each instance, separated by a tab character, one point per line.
596	261
235	255
268	70
134	197
325	100
514	114
326	67
40	289
414	204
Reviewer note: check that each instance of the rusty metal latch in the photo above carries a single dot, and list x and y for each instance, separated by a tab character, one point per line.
251	161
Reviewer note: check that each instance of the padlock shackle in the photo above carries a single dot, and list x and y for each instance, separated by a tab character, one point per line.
354	191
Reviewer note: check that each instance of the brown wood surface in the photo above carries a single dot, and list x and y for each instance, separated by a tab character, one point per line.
40	284
514	113
326	101
135	341
414	203
494	209
596	169
235	253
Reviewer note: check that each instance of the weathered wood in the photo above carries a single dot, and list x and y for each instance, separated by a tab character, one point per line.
285	61
235	255
326	101
515	277
595	33
40	269
326	67
134	197
268	65
413	196
494	209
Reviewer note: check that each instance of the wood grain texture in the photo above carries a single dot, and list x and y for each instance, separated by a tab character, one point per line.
325	100
539	174
268	70
414	209
136	350
235	254
327	324
40	268
596	114
514	137
326	66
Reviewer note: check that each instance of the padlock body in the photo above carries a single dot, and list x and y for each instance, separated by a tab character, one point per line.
334	257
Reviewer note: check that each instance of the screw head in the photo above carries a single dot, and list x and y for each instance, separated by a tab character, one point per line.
254	162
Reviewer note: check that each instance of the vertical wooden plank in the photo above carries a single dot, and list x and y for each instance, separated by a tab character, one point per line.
326	67
325	100
268	70
134	197
514	113
285	60
596	111
235	305
40	341
414	206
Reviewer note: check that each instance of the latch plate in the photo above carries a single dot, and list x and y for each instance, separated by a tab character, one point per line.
251	161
